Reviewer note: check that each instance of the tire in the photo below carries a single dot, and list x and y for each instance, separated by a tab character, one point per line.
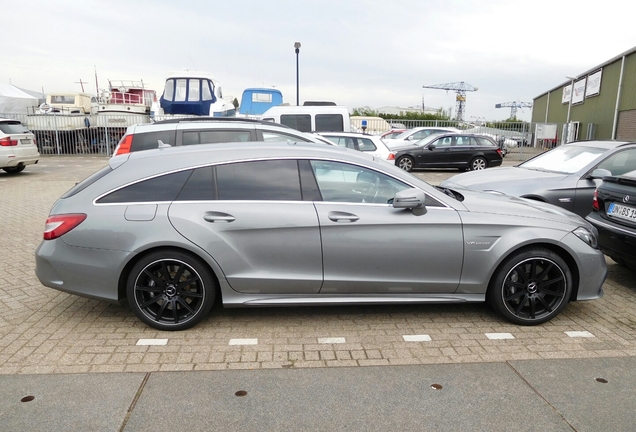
406	163
531	286
14	170
478	163
170	289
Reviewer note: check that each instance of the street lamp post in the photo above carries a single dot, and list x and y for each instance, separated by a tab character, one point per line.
297	47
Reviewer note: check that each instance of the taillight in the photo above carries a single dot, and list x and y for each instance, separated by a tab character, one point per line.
595	205
8	142
124	145
500	152
391	156
59	225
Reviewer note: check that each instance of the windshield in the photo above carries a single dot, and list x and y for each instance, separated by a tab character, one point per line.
564	159
426	140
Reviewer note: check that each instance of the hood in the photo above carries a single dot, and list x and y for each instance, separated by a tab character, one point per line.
508	206
503	179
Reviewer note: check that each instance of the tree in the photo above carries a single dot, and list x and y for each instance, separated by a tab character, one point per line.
235	102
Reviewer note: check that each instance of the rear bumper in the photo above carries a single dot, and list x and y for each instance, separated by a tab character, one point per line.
19	158
616	241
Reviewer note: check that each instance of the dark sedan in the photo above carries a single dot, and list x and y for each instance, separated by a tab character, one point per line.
614	216
454	150
562	176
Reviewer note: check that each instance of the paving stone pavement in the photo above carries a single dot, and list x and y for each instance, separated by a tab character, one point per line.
46	331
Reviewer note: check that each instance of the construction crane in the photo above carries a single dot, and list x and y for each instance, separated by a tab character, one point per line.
461	88
513	107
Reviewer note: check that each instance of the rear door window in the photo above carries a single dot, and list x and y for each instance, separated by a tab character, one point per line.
150	140
276	180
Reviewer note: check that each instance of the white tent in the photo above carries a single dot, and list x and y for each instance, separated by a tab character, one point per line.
15	101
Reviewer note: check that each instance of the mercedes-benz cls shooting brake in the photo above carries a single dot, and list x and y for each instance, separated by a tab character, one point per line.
260	224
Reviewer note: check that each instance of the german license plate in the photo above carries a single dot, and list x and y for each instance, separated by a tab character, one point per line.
622	212
25	141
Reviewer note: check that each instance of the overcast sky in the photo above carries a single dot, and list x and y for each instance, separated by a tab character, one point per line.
354	52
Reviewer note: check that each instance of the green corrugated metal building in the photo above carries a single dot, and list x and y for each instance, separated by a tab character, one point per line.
597	104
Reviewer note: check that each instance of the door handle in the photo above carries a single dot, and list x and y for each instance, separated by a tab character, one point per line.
342	217
218	217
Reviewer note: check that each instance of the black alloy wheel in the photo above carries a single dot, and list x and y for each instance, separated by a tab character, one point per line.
531	286
406	163
170	290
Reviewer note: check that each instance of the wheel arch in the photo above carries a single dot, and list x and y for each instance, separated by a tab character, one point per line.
123	276
560	251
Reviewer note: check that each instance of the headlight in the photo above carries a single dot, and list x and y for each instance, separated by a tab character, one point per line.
587	236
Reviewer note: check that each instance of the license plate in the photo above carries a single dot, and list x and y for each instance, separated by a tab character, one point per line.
25	141
622	212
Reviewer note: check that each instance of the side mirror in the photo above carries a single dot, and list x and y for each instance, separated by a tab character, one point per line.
599	173
412	199
431	147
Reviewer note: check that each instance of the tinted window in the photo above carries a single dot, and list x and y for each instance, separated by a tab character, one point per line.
162	188
214	136
301	122
329	123
150	140
88	181
12	127
201	186
259	180
342	141
486	142
349	183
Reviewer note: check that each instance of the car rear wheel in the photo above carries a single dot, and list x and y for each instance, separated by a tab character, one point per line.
406	163
478	163
170	290
531	286
14	170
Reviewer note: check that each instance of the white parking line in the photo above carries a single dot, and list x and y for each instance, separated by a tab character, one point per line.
334	340
243	341
499	336
152	342
417	338
574	334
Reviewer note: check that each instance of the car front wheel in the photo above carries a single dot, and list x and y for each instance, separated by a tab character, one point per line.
170	290
531	286
479	163
406	163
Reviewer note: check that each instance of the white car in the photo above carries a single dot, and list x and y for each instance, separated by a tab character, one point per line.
17	146
371	144
412	135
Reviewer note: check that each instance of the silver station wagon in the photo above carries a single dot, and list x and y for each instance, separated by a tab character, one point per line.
277	224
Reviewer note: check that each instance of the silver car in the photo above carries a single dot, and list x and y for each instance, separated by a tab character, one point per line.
257	224
564	176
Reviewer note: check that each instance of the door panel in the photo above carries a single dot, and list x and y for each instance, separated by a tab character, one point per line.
374	248
262	247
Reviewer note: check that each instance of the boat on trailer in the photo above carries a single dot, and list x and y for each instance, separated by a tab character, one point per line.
192	93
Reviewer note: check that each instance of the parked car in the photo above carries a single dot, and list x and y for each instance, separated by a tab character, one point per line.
253	224
205	130
561	176
371	144
17	146
614	216
393	133
409	136
463	151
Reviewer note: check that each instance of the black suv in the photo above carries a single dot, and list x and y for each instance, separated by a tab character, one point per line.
205	130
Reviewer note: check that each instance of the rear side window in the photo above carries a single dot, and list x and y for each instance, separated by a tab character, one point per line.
485	142
215	136
329	123
150	140
259	180
87	181
162	188
365	144
301	122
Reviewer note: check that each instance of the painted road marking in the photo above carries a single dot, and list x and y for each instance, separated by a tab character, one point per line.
152	342
333	340
243	341
417	338
499	336
574	334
